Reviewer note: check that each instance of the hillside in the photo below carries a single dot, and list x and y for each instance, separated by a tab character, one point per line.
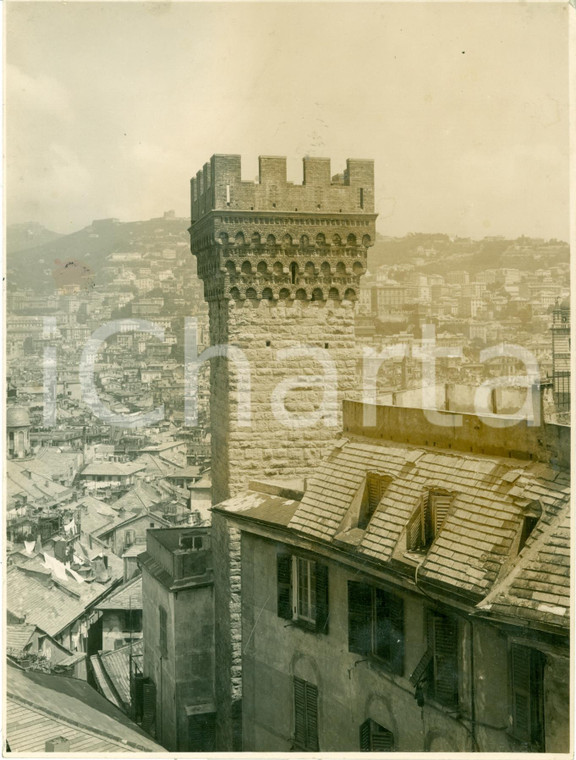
33	267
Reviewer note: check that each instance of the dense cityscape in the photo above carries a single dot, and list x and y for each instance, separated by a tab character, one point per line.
410	545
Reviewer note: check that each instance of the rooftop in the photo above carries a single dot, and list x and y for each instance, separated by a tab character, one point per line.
41	707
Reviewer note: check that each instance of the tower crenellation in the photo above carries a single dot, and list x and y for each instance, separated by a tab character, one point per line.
274	240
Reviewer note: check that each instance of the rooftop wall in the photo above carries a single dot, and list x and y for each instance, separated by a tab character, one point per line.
467	432
219	186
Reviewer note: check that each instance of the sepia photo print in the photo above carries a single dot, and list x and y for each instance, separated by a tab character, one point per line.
287	378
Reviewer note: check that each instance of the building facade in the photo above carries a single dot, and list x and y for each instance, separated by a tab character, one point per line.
178	632
414	596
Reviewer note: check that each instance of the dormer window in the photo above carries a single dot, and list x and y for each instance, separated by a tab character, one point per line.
531	516
427	520
374	489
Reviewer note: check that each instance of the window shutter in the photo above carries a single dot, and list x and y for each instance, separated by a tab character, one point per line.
396	615
381	740
359	617
311	717
284	580
442	503
149	707
322	613
445	636
521	692
365	736
374	491
414	533
300	712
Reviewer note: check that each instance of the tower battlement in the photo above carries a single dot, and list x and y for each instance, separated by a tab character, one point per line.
276	241
219	186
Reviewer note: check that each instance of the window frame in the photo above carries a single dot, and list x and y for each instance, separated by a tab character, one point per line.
288	589
391	625
425	518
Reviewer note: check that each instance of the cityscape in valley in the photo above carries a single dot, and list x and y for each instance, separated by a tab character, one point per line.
276	482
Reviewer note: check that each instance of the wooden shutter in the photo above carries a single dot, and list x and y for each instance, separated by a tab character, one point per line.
521	712
444	634
375	738
149	706
284	582
375	490
365	736
381	740
414	534
322	613
441	506
305	714
311	717
163	624
359	617
396	616
300	712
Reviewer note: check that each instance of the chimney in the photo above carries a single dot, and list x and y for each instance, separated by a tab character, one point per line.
57	744
60	549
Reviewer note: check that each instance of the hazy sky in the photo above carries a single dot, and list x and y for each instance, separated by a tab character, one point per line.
112	107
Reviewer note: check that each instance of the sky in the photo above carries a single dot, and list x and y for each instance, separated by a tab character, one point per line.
112	107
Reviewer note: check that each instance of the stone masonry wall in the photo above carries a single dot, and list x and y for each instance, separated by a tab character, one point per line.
271	447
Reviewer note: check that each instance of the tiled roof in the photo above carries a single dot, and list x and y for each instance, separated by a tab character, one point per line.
112	468
18	636
42	707
479	530
112	671
50	605
125	597
538	586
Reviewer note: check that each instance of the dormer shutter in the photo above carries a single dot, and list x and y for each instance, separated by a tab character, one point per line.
442	502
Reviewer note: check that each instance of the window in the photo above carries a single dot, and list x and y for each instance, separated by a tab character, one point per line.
528	525
376	624
129	537
305	715
375	738
373	492
163	618
425	523
527	698
303	591
442	675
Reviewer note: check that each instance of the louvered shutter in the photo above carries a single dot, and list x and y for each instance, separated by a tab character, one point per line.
426	522
445	637
396	615
300	712
414	532
381	740
149	707
442	504
311	717
365	736
284	582
374	491
321	598
359	617
521	692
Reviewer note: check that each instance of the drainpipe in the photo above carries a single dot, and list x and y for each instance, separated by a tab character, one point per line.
472	691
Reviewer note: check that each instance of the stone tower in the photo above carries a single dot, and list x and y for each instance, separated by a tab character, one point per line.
281	265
